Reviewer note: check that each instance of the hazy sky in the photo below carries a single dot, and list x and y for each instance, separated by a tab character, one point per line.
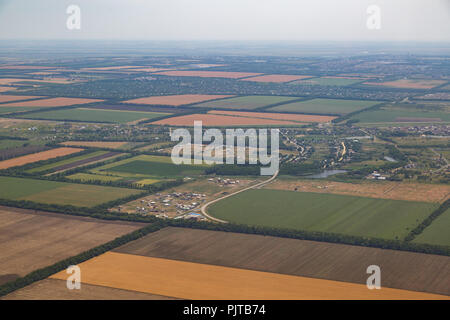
418	20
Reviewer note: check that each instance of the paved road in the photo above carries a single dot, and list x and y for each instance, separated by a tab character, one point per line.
203	208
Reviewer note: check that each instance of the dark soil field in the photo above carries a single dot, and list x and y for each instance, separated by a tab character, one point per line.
401	270
31	240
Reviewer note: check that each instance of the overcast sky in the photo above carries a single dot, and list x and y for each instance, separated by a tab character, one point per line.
416	20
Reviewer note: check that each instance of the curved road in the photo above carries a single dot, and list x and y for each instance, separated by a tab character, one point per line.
203	208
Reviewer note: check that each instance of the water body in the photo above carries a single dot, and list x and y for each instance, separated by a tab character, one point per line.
390	159
325	174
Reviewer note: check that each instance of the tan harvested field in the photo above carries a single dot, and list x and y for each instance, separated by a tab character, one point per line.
9	98
111	68
209	74
210	120
409	84
5	89
95	144
189	280
22	67
4	81
278	78
276	116
31	240
377	189
399	269
53	289
52	102
177	100
44	155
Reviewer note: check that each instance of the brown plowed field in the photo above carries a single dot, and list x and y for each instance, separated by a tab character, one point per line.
177	100
96	144
276	116
8	98
52	102
278	78
44	155
209	74
399	269
378	189
189	280
31	239
213	120
409	84
53	289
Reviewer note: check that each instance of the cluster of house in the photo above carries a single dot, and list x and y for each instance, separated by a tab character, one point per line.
224	182
377	176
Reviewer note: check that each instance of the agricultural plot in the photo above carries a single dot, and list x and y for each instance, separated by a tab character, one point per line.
329	81
245	103
74	162
89	177
214	120
176	100
402	114
31	240
94	115
6	89
436	193
438	232
60	193
275	116
209	74
44	155
311	259
189	280
145	166
12	143
325	106
408	84
276	78
8	98
359	216
52	102
54	289
6	110
96	144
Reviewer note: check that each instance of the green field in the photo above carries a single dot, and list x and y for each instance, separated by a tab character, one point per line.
5	110
85	177
94	115
325	106
438	232
333	213
245	103
327	81
393	113
61	193
11	143
145	166
66	161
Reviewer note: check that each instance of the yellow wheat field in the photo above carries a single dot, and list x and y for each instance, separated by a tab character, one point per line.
188	280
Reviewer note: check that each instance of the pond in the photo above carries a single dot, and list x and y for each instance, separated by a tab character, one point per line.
325	174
